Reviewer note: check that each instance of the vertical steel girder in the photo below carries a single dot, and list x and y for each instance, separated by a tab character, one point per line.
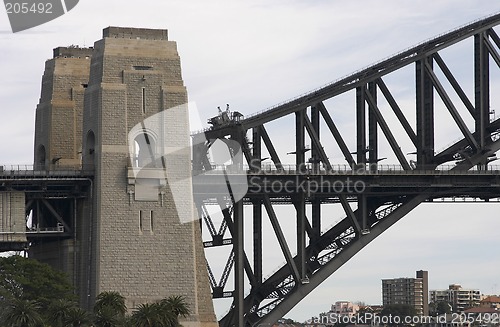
371	92
231	225
425	114
257	241
361	148
239	263
257	209
317	152
481	87
300	150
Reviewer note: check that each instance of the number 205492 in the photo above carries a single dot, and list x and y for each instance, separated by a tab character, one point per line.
25	8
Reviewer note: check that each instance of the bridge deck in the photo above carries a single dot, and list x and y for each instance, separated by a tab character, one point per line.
342	169
27	172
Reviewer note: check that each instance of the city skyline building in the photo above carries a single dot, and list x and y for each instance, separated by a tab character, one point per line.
458	297
408	291
344	308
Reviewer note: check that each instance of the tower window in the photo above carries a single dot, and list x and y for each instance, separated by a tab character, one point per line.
151	220
144	150
142	67
146	221
143	100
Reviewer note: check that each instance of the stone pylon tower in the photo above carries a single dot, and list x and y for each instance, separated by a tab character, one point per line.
139	247
131	235
58	126
58	142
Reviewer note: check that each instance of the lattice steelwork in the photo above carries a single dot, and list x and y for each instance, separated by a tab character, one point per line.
459	171
52	200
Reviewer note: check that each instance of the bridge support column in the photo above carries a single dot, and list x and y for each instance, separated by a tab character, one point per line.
315	203
301	235
257	209
300	197
372	129
361	126
239	273
425	114
481	90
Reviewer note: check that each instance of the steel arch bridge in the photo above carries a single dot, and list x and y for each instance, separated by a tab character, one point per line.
461	170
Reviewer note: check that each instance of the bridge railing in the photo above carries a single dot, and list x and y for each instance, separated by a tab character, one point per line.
45	230
341	169
32	171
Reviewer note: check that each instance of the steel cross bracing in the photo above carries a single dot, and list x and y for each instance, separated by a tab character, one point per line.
460	171
52	200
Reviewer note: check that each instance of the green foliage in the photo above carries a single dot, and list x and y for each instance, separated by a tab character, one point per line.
439	308
400	310
108	317
28	279
21	313
160	314
58	312
443	307
33	294
110	301
77	317
109	309
177	305
152	314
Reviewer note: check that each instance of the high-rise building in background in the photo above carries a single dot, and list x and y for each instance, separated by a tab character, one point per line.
409	291
458	297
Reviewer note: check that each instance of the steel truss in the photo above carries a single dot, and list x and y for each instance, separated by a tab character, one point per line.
52	199
389	194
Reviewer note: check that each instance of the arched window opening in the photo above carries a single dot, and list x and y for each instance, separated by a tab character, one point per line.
144	150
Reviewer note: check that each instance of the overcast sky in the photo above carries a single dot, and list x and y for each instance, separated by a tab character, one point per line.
254	54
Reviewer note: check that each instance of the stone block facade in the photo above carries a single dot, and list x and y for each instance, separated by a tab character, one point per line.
58	126
130	237
12	217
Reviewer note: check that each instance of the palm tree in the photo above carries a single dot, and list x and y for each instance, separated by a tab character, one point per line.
153	315
77	317
111	300
22	313
147	315
107	317
177	305
57	312
109	309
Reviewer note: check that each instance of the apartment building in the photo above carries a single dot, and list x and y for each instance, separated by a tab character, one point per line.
458	297
409	291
